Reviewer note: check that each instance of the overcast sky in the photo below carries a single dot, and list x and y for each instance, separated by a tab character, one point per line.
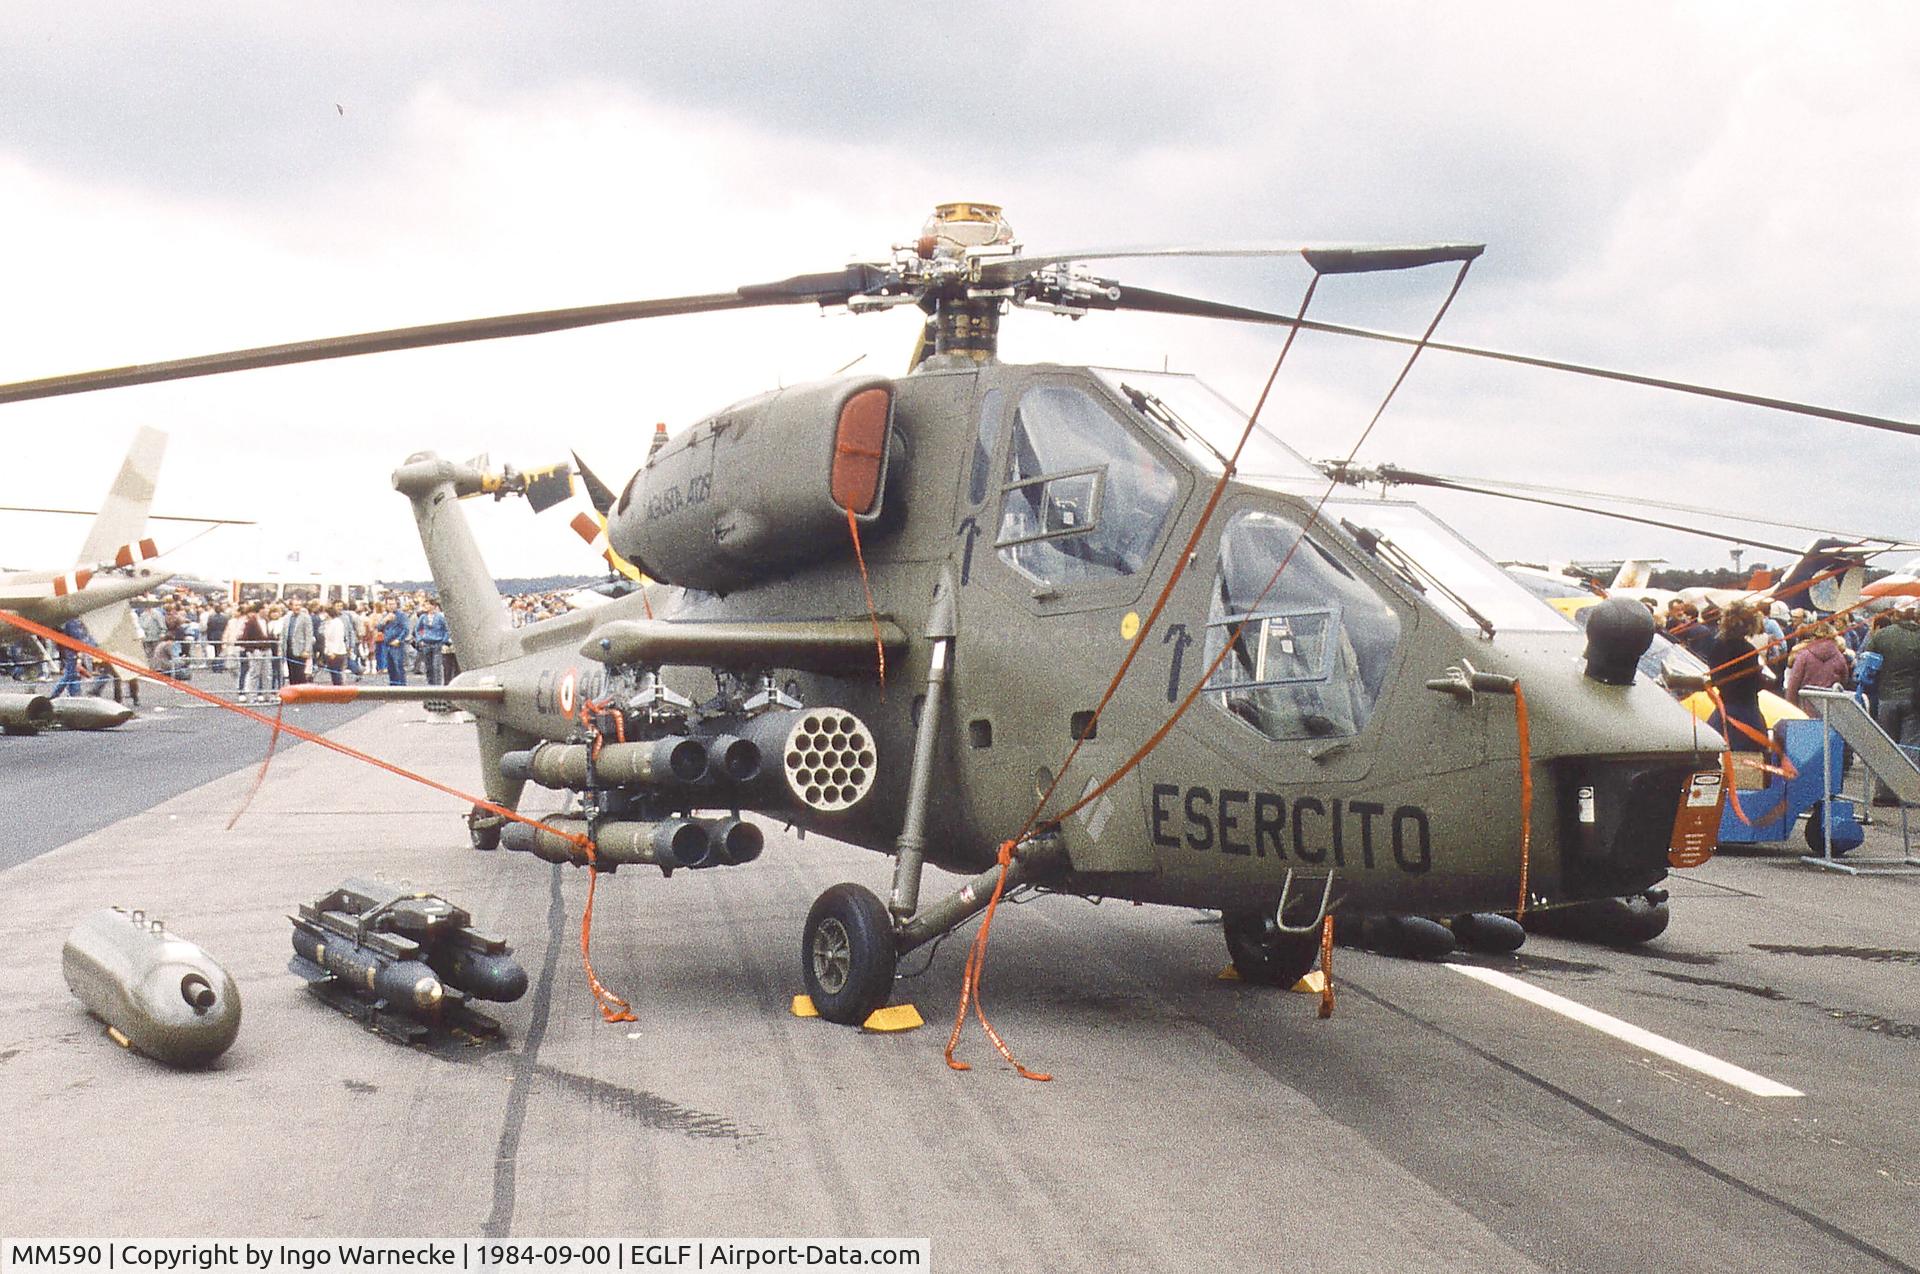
1720	192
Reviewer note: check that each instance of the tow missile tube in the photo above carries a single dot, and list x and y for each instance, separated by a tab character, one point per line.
666	843
673	761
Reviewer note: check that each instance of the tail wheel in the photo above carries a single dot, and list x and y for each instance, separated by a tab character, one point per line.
483	828
1264	953
847	954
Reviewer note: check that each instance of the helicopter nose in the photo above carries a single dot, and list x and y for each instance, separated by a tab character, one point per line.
1618	633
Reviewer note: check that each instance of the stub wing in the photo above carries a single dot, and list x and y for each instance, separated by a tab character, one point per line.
830	647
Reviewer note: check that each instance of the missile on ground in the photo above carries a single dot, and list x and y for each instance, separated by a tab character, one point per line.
405	963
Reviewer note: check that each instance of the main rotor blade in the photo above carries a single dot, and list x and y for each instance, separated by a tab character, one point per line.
1893	544
151	517
1411	478
1148	301
824	289
1328	258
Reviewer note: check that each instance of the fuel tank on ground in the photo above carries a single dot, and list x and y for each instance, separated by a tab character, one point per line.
156	992
87	713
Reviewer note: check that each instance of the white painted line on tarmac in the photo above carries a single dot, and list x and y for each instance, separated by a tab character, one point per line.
1692	1058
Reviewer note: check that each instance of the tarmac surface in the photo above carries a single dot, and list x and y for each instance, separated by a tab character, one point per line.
1433	1122
74	782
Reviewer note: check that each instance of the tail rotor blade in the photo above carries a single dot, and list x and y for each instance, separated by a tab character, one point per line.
597	491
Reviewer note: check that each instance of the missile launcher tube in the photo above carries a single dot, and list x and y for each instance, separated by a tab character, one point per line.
665	762
734	841
525	838
731	759
671	842
156	992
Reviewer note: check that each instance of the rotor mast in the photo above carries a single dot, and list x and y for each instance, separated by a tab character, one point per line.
961	322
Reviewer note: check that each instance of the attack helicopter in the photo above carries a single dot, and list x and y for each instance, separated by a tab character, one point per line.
888	610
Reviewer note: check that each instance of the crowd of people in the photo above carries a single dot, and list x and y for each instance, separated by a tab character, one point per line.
268	644
1789	651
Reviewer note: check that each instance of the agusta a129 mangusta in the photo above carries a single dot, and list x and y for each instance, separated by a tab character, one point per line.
890	610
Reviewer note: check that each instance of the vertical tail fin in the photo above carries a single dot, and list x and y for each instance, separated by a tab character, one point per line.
123	518
1635	572
476	614
1827	577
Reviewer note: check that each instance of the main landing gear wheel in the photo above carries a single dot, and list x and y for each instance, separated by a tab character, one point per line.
483	828
847	953
1264	953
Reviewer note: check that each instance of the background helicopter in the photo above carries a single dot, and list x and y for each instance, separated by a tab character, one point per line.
1356	673
110	570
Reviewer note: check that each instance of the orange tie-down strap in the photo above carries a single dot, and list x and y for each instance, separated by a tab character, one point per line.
976	970
612	1007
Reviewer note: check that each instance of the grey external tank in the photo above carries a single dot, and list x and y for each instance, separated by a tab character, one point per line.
157	993
25	713
84	712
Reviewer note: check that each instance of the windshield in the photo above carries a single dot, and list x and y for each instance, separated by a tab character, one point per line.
1311	642
1460	581
1207	427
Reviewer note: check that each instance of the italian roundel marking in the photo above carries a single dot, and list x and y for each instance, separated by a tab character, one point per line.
566	694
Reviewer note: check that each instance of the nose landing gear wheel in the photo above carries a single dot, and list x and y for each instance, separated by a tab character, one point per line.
1264	953
847	954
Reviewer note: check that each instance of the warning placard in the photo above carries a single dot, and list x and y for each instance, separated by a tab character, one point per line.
1696	826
